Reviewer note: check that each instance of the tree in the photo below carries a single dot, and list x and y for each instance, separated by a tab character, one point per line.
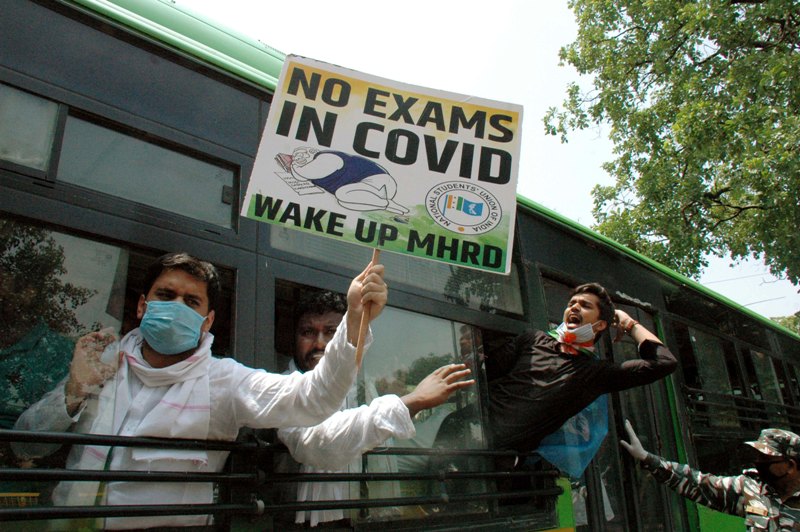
703	104
31	288
790	322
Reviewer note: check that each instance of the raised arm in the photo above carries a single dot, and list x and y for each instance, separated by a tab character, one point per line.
655	360
720	493
346	435
636	330
266	400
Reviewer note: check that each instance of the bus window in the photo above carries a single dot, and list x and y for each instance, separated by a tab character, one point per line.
767	380
470	288
752	378
556	297
27	146
783	382
609	495
793	377
705	369
734	371
638	405
55	288
408	347
771	390
108	161
713	369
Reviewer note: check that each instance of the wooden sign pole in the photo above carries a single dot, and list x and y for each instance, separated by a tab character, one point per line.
362	330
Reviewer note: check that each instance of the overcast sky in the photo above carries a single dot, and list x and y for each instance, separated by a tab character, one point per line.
502	50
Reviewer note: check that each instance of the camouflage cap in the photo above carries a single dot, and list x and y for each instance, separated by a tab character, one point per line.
777	442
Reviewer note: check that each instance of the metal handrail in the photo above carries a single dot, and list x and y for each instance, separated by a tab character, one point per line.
255	444
76	512
74	438
739	398
410	501
745	411
244	479
440	475
129	476
257	478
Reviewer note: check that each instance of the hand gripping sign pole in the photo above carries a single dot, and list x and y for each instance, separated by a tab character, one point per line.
362	329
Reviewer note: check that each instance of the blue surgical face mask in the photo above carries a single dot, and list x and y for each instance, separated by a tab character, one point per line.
583	334
170	327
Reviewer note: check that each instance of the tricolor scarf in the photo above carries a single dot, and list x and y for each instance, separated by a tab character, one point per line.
567	342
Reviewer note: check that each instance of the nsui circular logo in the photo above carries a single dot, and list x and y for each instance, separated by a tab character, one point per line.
463	207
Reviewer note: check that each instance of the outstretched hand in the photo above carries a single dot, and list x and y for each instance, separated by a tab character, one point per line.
437	387
88	372
635	446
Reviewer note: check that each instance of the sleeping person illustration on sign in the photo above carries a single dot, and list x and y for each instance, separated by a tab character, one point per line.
359	184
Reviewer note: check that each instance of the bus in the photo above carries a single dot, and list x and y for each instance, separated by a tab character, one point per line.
129	128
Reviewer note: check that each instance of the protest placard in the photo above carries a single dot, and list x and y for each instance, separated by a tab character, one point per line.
389	165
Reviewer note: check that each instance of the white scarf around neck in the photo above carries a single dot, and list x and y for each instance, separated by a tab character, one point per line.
184	410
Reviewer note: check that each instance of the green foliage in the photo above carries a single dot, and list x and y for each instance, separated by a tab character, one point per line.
31	288
703	104
790	322
424	366
465	284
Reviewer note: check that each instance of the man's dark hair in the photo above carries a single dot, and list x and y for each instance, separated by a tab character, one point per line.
199	269
319	302
606	305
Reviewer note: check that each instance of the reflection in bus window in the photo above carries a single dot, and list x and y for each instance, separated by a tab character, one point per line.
765	373
30	145
54	289
611	497
105	160
784	383
395	364
705	369
556	295
752	377
638	408
410	346
470	288
770	389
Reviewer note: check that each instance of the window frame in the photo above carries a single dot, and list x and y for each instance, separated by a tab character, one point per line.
242	233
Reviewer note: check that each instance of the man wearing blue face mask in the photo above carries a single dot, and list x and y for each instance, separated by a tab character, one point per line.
162	381
548	377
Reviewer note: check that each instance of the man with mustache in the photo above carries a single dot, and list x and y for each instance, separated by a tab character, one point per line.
161	380
336	444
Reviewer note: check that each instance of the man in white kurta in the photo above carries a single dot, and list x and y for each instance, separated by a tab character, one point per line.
190	394
336	445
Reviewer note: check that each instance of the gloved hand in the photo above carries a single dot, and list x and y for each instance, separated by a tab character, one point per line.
635	446
88	370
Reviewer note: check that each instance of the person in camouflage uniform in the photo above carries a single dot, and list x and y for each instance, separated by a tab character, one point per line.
768	496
